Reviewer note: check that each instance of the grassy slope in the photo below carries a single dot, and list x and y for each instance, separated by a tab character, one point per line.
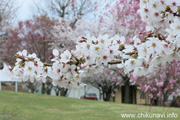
43	107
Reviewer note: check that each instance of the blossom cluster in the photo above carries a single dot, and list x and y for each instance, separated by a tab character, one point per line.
161	43
159	14
27	67
141	56
89	57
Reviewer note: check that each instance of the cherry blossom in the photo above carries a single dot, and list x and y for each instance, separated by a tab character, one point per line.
140	55
65	56
161	83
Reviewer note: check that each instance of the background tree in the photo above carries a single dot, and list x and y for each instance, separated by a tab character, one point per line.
34	35
121	18
68	9
32	87
7	15
65	36
106	82
162	83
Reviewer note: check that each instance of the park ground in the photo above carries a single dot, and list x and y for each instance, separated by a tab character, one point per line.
26	106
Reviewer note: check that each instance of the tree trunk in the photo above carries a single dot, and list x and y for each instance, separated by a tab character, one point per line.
99	94
31	87
106	96
1	66
127	87
43	88
159	102
63	91
57	90
49	92
32	90
57	93
165	99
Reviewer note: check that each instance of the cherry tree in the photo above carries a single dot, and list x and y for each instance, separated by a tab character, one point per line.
123	19
65	35
118	18
33	35
162	83
141	56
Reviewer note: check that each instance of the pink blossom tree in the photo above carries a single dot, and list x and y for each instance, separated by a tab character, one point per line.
120	18
33	34
162	83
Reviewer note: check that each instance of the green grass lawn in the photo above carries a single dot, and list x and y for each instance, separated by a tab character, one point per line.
26	106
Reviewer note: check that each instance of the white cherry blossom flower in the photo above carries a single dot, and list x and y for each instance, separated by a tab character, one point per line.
90	59
138	71
132	64
104	41
55	52
173	4
69	71
175	26
65	56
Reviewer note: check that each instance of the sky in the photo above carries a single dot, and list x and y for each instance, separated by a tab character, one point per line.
25	9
